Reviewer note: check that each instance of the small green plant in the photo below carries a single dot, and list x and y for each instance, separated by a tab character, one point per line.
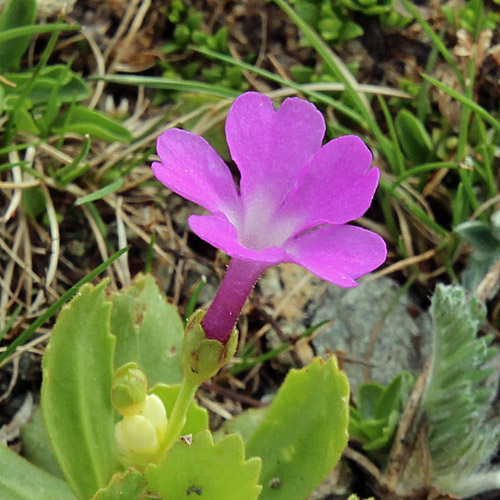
330	19
471	17
377	413
43	100
188	30
384	9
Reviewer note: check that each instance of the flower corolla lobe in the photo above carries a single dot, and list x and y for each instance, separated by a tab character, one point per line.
295	196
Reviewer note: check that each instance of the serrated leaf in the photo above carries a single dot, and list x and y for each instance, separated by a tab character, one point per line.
304	432
196	417
128	485
80	120
76	404
415	140
148	330
204	469
20	480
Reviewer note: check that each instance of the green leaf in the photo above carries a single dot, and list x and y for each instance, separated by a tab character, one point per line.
24	121
395	395
20	480
34	201
415	140
36	445
23	31
72	87
100	193
367	397
148	330
16	13
244	424
479	235
196	417
156	82
204	469
80	120
128	485
304	432
76	404
378	412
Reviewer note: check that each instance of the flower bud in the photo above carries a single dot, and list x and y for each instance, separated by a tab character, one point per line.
129	389
202	358
139	436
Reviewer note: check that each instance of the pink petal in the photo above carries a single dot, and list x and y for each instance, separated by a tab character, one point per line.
336	187
270	147
220	233
338	254
192	168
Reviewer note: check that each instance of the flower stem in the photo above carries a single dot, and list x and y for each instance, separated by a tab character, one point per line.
177	419
237	284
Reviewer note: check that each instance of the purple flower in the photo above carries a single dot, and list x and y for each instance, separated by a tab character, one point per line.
294	199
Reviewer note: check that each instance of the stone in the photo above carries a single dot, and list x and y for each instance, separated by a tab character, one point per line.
376	332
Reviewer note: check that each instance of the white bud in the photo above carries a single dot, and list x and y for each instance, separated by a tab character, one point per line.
135	434
154	411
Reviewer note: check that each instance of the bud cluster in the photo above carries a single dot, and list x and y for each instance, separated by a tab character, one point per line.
139	435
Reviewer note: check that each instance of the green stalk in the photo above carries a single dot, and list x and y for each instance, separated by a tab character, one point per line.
177	419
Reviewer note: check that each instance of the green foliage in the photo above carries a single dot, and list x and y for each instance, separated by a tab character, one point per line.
81	120
329	19
456	400
189	30
36	445
70	86
369	7
76	404
378	411
148	331
485	241
196	417
128	485
35	100
190	469
413	137
16	13
471	17
20	480
51	310
303	433
34	201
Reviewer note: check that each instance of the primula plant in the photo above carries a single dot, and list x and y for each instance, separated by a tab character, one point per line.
121	371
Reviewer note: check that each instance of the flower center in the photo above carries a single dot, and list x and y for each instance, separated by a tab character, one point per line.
261	226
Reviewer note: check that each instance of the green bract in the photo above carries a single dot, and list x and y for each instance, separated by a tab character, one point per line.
202	358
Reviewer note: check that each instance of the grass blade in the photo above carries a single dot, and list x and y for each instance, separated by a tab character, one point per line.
58	304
